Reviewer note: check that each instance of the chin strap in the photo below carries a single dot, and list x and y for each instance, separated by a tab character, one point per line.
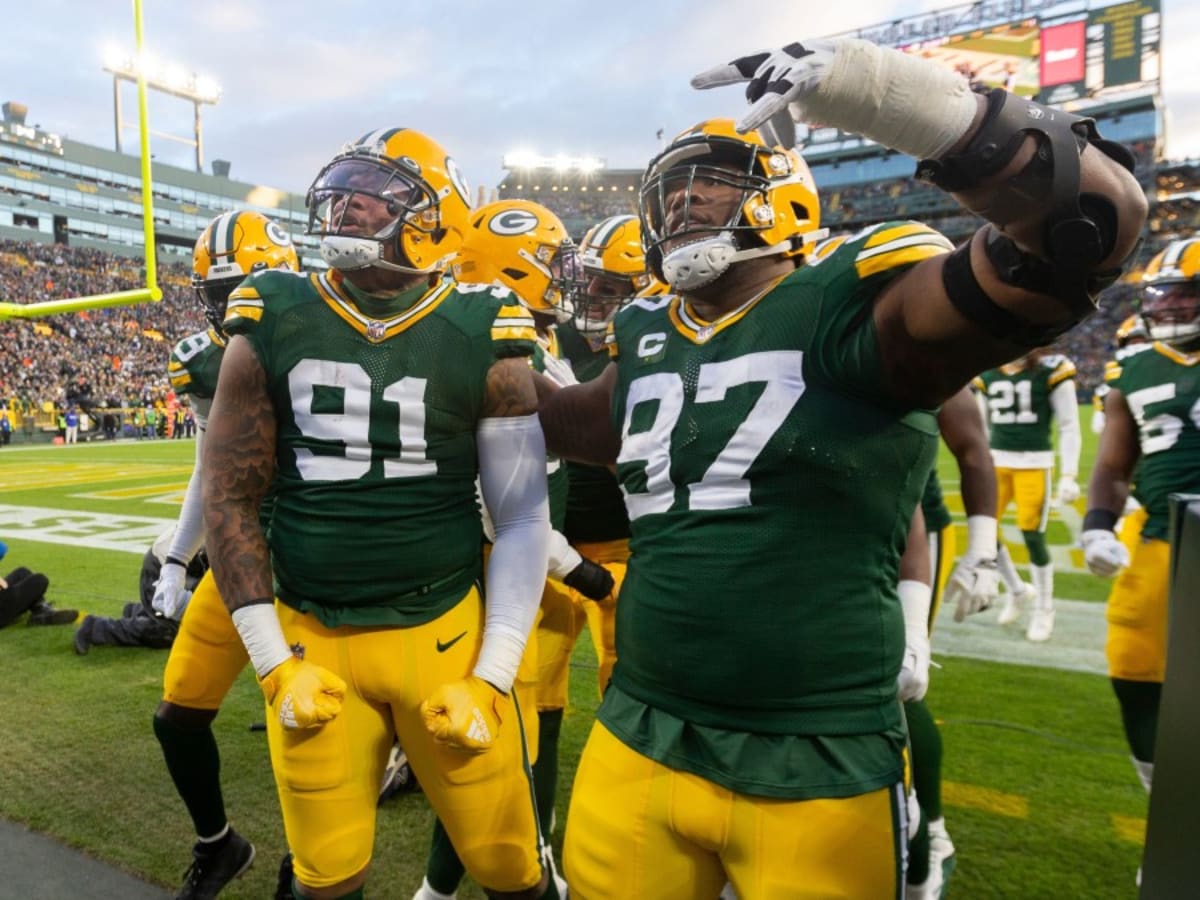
701	262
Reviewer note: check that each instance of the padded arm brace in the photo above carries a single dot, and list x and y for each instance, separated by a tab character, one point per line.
1080	229
512	478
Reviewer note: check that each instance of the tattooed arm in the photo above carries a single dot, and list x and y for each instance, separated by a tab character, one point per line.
239	462
577	419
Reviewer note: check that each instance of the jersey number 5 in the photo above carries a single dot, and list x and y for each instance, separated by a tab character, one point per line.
723	485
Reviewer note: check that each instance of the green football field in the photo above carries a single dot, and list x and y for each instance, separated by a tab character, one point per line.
1041	799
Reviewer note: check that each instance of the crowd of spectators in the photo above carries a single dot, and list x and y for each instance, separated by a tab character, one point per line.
112	358
115	358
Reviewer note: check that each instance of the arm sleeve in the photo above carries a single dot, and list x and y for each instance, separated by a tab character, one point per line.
512	478
1066	414
189	532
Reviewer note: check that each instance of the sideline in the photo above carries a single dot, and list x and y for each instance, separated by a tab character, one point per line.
36	867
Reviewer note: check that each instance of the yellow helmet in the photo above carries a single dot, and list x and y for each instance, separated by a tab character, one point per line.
779	212
525	247
425	193
1132	330
1170	298
232	246
614	272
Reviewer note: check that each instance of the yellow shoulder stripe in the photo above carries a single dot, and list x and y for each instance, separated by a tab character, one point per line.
902	245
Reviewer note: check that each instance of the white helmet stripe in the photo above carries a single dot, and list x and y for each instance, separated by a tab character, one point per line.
220	238
608	228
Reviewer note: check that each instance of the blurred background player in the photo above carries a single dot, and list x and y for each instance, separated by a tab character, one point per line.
207	655
1022	397
521	247
140	624
1130	332
1152	439
597	524
970	586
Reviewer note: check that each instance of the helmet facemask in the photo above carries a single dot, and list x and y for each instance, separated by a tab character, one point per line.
1171	311
693	251
773	206
348	243
214	297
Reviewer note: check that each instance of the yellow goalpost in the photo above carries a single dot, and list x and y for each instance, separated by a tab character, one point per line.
151	291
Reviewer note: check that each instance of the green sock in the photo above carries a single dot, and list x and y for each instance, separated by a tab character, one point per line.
1139	714
918	854
195	765
545	770
443	869
1035	543
926	743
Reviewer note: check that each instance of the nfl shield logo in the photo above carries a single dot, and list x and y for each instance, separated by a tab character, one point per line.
704	333
375	330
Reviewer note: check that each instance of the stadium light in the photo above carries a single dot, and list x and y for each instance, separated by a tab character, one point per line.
168	77
526	160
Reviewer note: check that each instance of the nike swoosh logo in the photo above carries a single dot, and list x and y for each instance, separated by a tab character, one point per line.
442	648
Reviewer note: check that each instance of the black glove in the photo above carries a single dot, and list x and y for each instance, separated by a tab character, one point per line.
591	579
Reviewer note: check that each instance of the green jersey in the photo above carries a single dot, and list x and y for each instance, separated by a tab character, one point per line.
933	505
1161	387
193	367
595	507
1020	410
770	480
376	406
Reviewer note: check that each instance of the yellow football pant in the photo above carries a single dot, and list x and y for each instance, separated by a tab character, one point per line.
1137	615
563	614
637	828
328	778
1031	489
207	655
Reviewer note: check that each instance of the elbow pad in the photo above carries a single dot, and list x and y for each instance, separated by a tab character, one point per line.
1080	229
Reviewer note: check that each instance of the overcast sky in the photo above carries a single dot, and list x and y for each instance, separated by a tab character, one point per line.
484	78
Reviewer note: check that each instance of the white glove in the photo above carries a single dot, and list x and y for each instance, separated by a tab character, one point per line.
973	585
1068	489
1104	554
170	593
777	78
913	681
558	370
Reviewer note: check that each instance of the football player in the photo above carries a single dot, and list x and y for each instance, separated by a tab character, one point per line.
1151	436
772	430
369	398
523	247
1022	397
970	588
206	655
1131	331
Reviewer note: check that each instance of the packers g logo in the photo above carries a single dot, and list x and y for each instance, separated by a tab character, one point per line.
512	222
277	235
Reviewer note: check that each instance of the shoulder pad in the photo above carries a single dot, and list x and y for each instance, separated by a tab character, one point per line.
894	246
1133	350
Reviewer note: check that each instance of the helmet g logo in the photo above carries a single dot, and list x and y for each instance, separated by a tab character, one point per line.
513	221
277	235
